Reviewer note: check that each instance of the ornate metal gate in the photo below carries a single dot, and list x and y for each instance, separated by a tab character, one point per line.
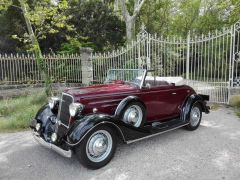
210	63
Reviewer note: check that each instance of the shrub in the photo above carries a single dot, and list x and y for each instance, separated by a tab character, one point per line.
17	113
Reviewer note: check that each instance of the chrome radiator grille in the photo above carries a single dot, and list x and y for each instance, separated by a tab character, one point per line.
63	113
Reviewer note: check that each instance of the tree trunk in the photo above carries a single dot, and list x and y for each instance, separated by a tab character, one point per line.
37	51
130	29
130	20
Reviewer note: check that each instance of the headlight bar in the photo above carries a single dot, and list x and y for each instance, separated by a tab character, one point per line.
53	101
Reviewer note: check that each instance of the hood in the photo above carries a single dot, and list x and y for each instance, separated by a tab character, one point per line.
114	88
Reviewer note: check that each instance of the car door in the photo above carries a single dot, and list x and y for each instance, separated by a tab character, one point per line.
157	102
177	96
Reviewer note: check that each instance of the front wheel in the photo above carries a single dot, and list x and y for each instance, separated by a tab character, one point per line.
195	117
97	148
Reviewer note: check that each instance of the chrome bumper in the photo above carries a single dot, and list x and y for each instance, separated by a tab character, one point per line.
57	149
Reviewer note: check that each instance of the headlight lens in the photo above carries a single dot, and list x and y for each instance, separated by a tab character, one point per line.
75	108
53	101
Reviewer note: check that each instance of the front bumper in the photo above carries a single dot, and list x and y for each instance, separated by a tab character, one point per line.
40	140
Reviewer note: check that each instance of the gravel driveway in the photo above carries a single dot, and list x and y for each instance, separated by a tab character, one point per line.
211	152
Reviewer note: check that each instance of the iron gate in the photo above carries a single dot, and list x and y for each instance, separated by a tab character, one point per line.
209	63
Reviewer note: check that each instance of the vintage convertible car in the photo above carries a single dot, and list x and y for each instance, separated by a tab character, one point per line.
133	104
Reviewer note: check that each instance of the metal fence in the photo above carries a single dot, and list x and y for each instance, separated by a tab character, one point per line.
209	62
21	68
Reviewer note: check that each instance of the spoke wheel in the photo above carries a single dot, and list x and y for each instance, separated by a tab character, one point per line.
195	117
133	115
97	148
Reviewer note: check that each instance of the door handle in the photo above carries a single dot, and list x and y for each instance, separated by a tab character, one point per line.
174	93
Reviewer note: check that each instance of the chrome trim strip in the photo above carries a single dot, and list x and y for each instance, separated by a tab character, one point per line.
152	135
103	122
57	149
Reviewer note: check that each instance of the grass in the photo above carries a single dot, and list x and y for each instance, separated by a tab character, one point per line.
215	106
235	103
16	113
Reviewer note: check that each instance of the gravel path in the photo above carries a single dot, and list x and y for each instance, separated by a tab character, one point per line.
211	152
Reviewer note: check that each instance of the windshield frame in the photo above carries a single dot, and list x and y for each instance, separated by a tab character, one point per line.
142	80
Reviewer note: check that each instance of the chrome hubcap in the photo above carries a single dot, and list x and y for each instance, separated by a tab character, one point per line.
195	116
133	115
99	146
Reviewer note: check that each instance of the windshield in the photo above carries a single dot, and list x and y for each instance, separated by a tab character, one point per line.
128	75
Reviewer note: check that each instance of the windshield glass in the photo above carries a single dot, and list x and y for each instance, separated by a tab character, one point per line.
128	75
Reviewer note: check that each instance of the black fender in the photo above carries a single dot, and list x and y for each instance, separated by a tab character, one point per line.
191	100
124	103
83	126
43	116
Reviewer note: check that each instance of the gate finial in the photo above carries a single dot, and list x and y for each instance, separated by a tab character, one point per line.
143	31
143	27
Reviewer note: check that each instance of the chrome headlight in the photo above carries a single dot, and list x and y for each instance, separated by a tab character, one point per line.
75	108
53	101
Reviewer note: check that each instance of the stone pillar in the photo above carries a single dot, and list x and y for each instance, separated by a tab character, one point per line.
87	66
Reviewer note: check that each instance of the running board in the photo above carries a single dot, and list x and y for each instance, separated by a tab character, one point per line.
155	134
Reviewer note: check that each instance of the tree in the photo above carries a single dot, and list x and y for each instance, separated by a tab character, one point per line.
156	16
96	25
40	18
131	19
186	17
11	23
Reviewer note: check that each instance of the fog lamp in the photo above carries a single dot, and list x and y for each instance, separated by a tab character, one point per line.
38	126
54	137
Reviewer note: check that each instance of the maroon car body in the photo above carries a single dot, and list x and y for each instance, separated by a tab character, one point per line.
129	106
162	102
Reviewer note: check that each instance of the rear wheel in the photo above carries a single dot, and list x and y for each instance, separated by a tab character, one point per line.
134	114
195	117
97	148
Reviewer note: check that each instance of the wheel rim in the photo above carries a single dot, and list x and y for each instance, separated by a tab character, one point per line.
99	146
195	116
133	115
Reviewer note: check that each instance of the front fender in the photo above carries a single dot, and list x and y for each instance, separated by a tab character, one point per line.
191	100
43	115
78	131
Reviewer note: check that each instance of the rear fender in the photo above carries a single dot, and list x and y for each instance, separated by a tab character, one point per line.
191	100
124	103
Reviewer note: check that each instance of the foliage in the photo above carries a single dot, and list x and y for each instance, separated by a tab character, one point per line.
16	113
235	103
98	23
178	18
157	17
70	47
45	18
74	44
